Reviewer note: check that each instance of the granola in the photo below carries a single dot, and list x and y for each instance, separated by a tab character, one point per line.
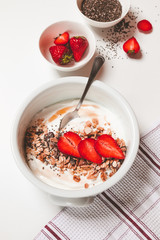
41	144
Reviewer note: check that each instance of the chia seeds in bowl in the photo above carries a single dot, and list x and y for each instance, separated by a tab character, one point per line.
102	10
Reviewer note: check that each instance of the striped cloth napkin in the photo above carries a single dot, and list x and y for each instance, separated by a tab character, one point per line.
128	210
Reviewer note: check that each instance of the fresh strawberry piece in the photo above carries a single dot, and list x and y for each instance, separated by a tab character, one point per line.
144	25
68	144
87	150
107	147
62	39
131	46
78	46
60	54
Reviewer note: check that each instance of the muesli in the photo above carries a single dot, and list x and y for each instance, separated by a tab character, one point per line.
47	161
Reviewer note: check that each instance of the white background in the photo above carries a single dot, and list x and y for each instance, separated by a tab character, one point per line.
24	209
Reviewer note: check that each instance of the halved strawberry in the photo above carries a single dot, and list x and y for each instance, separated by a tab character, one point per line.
68	144
87	150
62	39
144	25
131	46
107	147
78	46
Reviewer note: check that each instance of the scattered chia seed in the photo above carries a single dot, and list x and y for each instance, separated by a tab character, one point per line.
39	132
111	39
101	10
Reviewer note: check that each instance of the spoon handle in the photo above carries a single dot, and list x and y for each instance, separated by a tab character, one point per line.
97	64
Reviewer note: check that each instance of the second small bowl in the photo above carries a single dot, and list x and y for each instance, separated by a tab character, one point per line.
125	8
74	29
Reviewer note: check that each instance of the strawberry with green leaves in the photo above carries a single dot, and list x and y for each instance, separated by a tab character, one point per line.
131	46
62	39
61	55
78	46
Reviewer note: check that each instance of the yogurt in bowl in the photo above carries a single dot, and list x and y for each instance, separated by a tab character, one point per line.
59	94
65	171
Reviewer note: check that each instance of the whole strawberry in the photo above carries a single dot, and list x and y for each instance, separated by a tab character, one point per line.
144	25
131	46
78	46
60	54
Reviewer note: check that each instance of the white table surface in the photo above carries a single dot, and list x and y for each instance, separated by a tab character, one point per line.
24	209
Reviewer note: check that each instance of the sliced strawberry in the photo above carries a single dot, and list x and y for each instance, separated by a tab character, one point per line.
78	46
144	25
68	144
87	150
60	54
107	147
131	46
62	39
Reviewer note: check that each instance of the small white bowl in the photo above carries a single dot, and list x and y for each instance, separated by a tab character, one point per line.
125	8
74	29
71	88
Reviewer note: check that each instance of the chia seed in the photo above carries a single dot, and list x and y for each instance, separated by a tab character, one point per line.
102	10
39	132
110	43
47	136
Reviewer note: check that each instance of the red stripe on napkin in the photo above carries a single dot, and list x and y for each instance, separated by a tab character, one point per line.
52	232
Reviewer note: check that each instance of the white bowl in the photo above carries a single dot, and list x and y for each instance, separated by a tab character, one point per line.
125	8
70	88
74	29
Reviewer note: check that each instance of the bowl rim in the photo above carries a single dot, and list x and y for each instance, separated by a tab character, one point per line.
103	24
79	64
81	192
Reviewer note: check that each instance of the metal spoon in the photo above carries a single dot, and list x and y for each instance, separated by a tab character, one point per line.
97	64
